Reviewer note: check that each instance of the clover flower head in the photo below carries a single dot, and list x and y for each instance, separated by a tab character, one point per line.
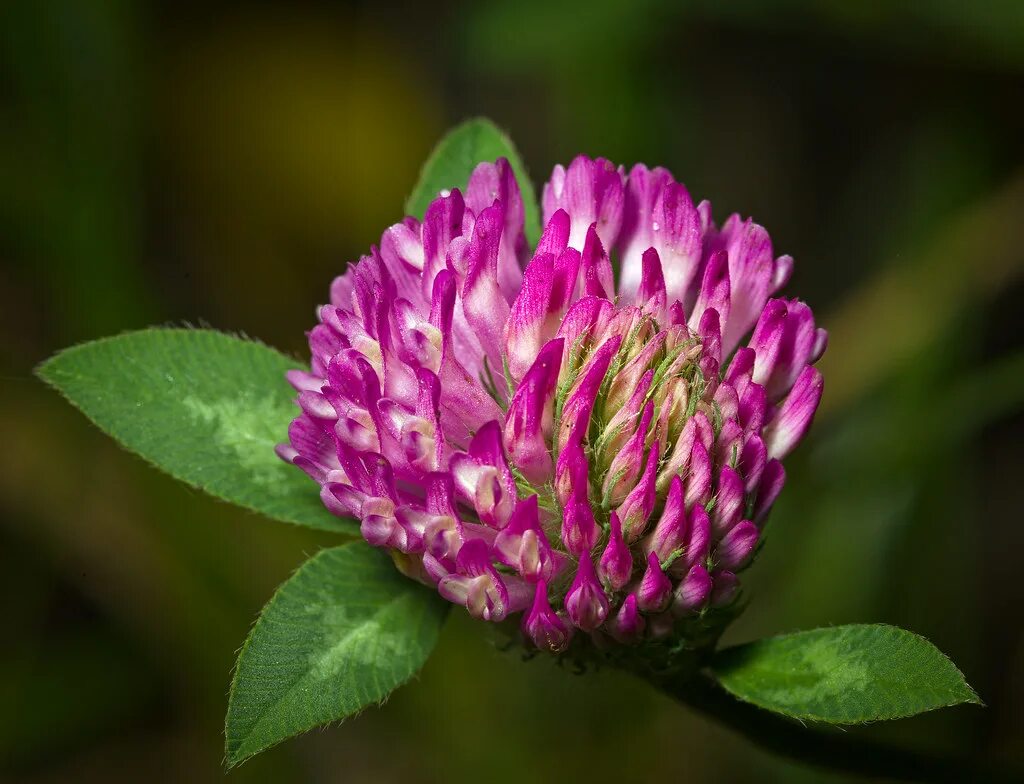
592	447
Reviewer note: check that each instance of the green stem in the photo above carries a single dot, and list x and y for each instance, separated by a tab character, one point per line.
833	750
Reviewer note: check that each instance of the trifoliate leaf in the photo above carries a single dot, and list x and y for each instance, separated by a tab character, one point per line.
843	675
341	634
205	407
454	159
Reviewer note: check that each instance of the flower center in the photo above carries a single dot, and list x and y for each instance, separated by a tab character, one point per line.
631	397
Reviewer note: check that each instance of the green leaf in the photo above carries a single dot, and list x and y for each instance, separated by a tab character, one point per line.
844	674
454	159
341	634
205	407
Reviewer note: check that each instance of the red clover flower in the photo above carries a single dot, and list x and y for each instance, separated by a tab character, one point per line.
530	436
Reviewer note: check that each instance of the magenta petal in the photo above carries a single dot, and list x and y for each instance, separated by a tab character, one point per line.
443	538
428	409
583	321
737	547
782	272
710	370
303	381
616	564
555	238
313	444
660	214
544	628
486	597
651	295
496	181
628	624
465	405
710	331
698	481
381	475
767	339
529	422
624	471
635	511
623	423
418	343
580	403
586	601
751	271
655	589
453	587
571	474
730	499
523	545
508	542
441	224
590	191
485	594
752	461
795	414
676	314
596	268
484	305
725	586
342	288
440	494
729	443
728	401
528	325
772	479
692	592
483	478
629	377
563	288
677	236
679	460
378	524
753	408
643	188
316	406
802	344
414	522
740	368
670	533
698	544
714	291
579	528
487	447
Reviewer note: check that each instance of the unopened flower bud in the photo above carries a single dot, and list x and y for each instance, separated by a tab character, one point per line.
586	600
547	631
655	589
616	564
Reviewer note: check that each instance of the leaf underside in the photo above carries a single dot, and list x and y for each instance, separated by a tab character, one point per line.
454	159
340	635
206	407
843	675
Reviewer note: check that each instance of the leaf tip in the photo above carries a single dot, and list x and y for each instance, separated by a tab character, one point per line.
973	698
44	370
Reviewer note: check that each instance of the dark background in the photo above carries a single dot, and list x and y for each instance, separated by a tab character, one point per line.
220	163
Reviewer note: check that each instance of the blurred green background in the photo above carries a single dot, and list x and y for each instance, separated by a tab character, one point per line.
219	162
